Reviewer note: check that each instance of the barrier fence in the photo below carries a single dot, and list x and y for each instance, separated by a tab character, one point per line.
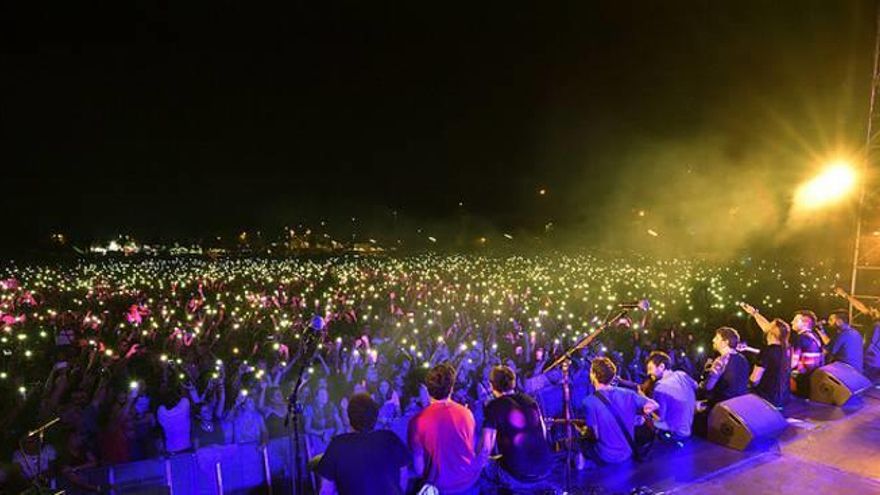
234	468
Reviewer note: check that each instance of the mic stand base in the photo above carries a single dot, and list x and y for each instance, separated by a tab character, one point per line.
564	361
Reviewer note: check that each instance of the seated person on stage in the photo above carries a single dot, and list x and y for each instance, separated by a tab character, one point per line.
728	374
726	377
513	421
806	351
675	394
605	441
771	376
441	438
845	343
366	461
871	354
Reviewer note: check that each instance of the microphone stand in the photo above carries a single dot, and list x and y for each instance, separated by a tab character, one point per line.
41	432
295	412
564	361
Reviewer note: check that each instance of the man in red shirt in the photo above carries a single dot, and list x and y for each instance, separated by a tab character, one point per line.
441	438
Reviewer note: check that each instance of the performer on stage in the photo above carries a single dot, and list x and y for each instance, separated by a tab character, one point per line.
871	357
441	438
365	461
726	377
513	422
845	343
806	351
771	376
675	394
611	414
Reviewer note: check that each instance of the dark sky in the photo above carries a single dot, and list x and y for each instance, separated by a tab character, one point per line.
168	119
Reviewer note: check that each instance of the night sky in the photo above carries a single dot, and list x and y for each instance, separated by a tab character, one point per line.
175	121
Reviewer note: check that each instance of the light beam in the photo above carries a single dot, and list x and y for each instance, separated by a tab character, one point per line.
834	183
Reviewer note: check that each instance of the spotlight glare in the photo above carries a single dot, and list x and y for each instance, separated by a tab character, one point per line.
830	186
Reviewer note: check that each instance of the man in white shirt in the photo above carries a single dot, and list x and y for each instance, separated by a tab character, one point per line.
175	420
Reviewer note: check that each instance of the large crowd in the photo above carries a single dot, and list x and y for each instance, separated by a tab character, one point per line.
150	357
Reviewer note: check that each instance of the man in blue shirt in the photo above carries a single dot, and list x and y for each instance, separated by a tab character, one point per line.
846	344
606	442
871	354
675	394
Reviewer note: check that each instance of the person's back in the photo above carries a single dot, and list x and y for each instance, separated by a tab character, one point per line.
612	444
365	463
444	433
525	453
676	395
175	423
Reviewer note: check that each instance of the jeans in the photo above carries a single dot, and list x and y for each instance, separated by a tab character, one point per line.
495	476
590	450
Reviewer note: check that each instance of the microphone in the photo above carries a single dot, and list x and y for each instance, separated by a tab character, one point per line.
316	330
642	304
317	324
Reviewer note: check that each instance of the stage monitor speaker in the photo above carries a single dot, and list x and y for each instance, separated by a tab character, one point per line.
739	422
836	384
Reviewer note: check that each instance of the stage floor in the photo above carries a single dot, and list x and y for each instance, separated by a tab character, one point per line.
826	450
835	451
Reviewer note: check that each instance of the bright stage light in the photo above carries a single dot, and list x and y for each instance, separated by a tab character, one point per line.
830	186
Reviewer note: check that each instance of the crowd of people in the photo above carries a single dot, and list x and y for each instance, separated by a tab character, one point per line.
143	358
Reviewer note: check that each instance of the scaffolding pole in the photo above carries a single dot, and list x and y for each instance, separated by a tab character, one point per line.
870	139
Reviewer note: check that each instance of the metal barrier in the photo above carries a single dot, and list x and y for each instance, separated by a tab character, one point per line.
234	468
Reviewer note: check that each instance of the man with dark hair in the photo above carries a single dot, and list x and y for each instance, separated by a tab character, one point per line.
806	350
502	379
440	380
675	394
725	377
845	345
728	375
771	376
610	416
513	421
441	438
365	461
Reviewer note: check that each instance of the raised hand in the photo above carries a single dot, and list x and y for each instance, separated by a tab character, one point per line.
748	308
